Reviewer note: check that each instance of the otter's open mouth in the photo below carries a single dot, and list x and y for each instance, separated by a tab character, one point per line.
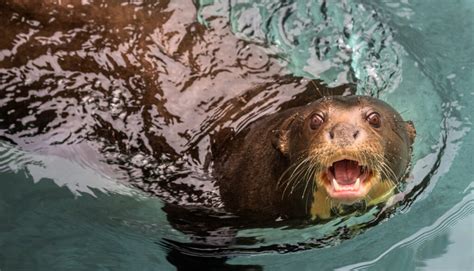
347	180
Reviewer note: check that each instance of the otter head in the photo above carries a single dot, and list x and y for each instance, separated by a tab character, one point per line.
349	149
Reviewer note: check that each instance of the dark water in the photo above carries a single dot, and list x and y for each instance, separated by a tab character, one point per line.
99	98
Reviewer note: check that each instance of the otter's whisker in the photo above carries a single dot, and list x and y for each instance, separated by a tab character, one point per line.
310	194
297	171
386	169
282	178
301	180
307	179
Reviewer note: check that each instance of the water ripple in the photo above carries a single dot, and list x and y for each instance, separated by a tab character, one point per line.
463	209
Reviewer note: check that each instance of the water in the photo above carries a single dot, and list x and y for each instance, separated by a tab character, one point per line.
95	97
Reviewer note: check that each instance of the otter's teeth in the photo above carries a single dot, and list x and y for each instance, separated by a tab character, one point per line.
337	187
357	184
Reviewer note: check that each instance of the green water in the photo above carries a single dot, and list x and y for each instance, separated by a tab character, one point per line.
70	214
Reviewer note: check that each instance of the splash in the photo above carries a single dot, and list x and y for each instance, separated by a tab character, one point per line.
340	42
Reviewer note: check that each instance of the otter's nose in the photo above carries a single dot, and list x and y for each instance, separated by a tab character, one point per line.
344	134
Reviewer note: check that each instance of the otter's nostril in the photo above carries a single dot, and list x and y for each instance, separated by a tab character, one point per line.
355	134
331	135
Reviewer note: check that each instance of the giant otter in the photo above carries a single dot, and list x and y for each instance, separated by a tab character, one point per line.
309	160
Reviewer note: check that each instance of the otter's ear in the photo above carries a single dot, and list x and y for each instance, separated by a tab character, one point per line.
281	136
410	130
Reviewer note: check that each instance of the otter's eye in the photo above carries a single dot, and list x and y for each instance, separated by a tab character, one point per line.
316	121
374	119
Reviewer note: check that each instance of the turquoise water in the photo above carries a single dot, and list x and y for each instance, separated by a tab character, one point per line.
65	198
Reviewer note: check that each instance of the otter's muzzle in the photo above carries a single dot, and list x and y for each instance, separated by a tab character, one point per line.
344	134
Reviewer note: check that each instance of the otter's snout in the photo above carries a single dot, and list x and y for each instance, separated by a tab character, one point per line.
344	134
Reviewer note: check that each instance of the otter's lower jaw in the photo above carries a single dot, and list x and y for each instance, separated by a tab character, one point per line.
346	181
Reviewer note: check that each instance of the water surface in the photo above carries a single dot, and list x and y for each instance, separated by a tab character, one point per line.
98	99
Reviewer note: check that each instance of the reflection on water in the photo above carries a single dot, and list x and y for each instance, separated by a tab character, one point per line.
430	242
139	85
98	95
